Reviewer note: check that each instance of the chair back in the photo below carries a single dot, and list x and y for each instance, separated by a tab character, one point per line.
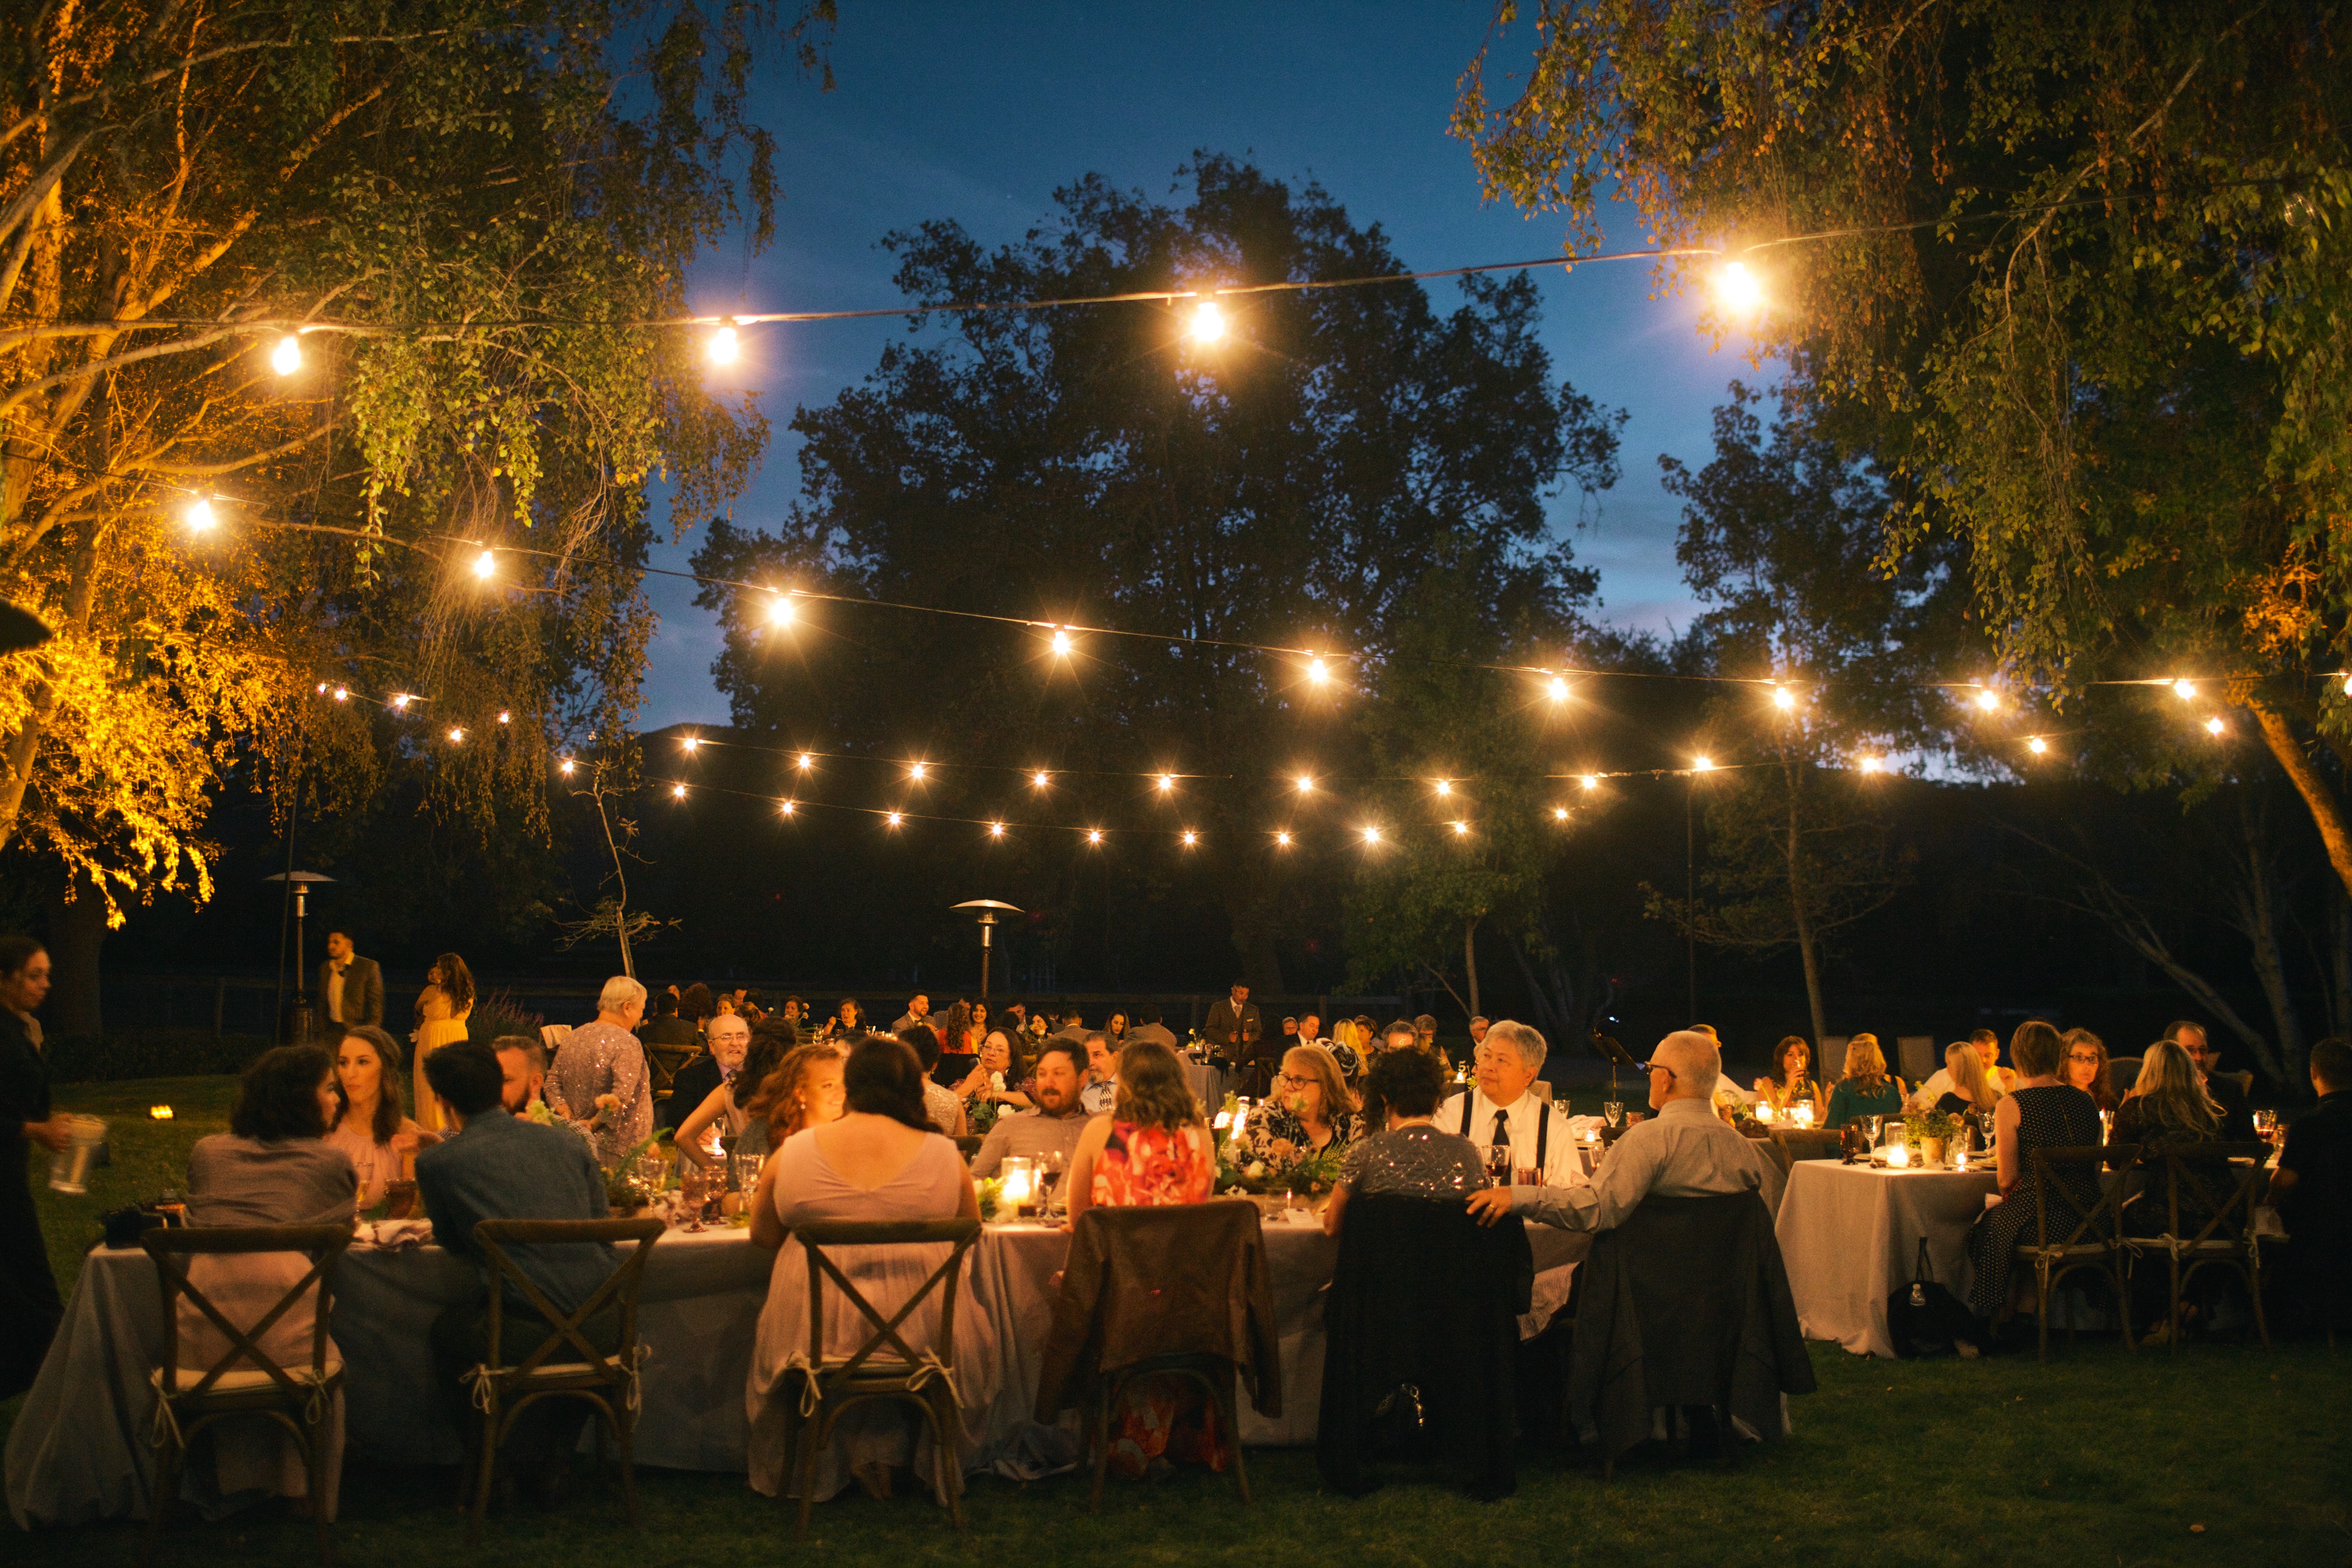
1149	1281
495	1236
171	1247
2063	1217
816	1236
2229	1213
968	1145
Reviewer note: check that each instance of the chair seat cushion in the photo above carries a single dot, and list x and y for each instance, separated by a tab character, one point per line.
248	1380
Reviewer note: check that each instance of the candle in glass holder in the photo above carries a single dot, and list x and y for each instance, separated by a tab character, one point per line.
1763	1111
1959	1157
1898	1156
1020	1186
1804	1114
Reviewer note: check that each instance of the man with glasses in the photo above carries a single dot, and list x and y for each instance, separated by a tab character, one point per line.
2237	1118
1504	1109
1685	1151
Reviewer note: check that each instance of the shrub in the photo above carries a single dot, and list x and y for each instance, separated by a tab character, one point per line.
149	1053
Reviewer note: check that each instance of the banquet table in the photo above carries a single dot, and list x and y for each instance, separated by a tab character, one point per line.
77	1450
1850	1235
1209	1085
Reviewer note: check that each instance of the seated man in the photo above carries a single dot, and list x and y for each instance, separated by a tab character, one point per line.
1939	1083
1503	1107
1102	1070
1148	1027
497	1166
1054	1123
2312	1183
1685	1151
2237	1116
730	1040
522	1064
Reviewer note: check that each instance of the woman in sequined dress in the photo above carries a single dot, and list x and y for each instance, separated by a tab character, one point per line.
1411	1157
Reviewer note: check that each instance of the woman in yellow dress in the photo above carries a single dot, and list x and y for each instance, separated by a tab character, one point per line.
441	1008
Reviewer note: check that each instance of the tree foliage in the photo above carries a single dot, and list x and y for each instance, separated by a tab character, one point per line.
456	205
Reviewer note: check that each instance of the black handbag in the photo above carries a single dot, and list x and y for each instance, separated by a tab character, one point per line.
1925	1320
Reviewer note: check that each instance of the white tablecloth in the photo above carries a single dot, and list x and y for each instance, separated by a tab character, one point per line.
1850	1235
1209	1086
77	1450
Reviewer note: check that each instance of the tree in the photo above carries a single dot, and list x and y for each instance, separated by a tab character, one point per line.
1289	484
442	214
1780	538
2082	296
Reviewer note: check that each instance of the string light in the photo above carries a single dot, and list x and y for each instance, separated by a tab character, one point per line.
1317	672
780	613
1460	828
1559	689
400	701
457	736
1191	838
1593	780
691	743
1739	288
1988	700
2347	682
2214	725
996	830
564	767
1062	642
1094	835
200	515
1166	783
677	792
1281	837
1783	698
1870	764
505	717
724	346
1208	324
343	694
485	565
322	688
1306	784
287	357
2037	745
895	819
2185	689
807	761
1444	786
1371	833
787	807
1702	764
916	772
1040	778
1560	814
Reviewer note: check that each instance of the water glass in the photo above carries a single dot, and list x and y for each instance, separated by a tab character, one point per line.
2265	1124
1613	1112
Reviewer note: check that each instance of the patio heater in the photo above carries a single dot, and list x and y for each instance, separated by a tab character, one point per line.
297	1020
988	909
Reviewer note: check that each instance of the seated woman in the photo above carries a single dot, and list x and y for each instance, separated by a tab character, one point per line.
1153	1149
2040	1114
1789	1083
998	1076
728	1107
804	1090
966	1028
2169	1105
1409	1155
848	1023
273	1166
1311	1111
2086	1066
1971	1090
369	1124
881	1161
1865	1089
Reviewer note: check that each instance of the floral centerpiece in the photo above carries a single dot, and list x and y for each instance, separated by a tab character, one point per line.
627	1187
1931	1132
991	1190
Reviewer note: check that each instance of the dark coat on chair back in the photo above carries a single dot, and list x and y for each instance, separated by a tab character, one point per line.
1181	1279
1423	1297
1687	1302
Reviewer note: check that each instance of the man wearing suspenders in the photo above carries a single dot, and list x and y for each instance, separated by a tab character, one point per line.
1503	1105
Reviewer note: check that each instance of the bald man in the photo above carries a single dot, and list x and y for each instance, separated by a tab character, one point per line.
1686	1151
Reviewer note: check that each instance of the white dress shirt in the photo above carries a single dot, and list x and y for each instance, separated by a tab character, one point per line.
335	990
1686	1151
1561	1168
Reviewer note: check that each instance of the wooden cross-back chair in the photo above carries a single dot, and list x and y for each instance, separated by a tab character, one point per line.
2070	1236
605	1380
247	1379
2227	1238
829	1384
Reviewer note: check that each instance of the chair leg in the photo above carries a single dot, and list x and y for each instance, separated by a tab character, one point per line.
2042	1297
484	1471
625	1425
2254	1289
167	1494
811	1448
2172	1340
941	1409
1107	1396
1229	1412
318	1497
2120	1277
603	1474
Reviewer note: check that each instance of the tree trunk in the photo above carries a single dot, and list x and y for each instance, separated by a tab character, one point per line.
1808	947
1470	959
2254	906
2326	814
77	925
2339	964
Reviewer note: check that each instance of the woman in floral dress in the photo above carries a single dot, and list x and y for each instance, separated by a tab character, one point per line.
1152	1149
1311	1113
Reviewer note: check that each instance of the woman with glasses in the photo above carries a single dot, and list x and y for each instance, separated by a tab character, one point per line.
1310	1113
2086	1066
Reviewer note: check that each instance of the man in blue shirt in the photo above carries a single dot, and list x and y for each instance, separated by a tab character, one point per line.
497	1166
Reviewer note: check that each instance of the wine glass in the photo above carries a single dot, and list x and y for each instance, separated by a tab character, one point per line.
1871	1126
1050	1166
1613	1112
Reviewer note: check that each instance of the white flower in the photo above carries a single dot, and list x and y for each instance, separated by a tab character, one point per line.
1255	1169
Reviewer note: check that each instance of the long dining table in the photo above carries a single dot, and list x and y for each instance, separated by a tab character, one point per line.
1850	1237
79	1450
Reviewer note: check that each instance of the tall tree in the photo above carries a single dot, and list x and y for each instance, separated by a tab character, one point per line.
301	309
1781	540
2083	286
1287	483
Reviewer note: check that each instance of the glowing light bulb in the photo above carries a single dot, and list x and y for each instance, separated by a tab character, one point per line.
200	515
1283	838
287	357
343	694
724	346
996	830
400	701
1702	764
691	743
1871	764
1208	324
787	807
1560	814
1191	838
1593	780
807	761
457	736
1444	786
1372	835
1166	783
2347	683
1306	784
780	613
564	767
2037	745
895	819
2214	725
1060	642
322	688
1559	689
916	772
1318	672
485	565
1460	828
677	792
505	717
1783	698
1040	778
1988	700
1739	288
2185	689
1094	835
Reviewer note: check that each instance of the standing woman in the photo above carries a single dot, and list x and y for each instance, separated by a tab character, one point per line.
441	1008
29	1308
960	1046
369	1124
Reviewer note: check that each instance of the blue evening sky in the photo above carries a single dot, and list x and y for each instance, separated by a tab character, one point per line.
979	112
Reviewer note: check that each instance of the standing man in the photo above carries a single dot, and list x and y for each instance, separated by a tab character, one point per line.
2237	1117
352	987
1503	1107
1232	1032
600	1078
919	1011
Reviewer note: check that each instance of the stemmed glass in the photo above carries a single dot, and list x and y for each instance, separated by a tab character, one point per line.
1613	1112
2266	1126
1050	1166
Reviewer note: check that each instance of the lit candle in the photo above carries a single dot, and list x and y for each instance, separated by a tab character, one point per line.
1898	1155
1804	1114
1763	1111
1959	1159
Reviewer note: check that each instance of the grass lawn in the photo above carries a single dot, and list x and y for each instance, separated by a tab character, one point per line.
2102	1457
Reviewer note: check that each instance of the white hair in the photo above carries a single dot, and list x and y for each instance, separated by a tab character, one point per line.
619	993
1521	1037
1696	1060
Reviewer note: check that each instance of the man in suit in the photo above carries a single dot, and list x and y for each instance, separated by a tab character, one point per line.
1234	1031
497	1166
2237	1117
351	988
730	1042
1149	1027
666	1028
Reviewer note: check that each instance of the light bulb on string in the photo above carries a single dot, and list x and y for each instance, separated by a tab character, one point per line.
1871	764
485	566
1318	671
724	345
1371	833
1988	700
400	701
787	807
200	515
2185	689
1306	784
343	694
690	743
1094	835
996	830
1062	642
1191	838
1559	689
505	717
457	736
1702	764
1166	783
2215	726
1461	829
1560	814
287	357
916	772
1783	698
1281	837
2347	683
322	688
895	819
1040	778
564	767
1445	787
1739	288
1593	780
677	792
780	612
1208	322
2037	745
807	761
